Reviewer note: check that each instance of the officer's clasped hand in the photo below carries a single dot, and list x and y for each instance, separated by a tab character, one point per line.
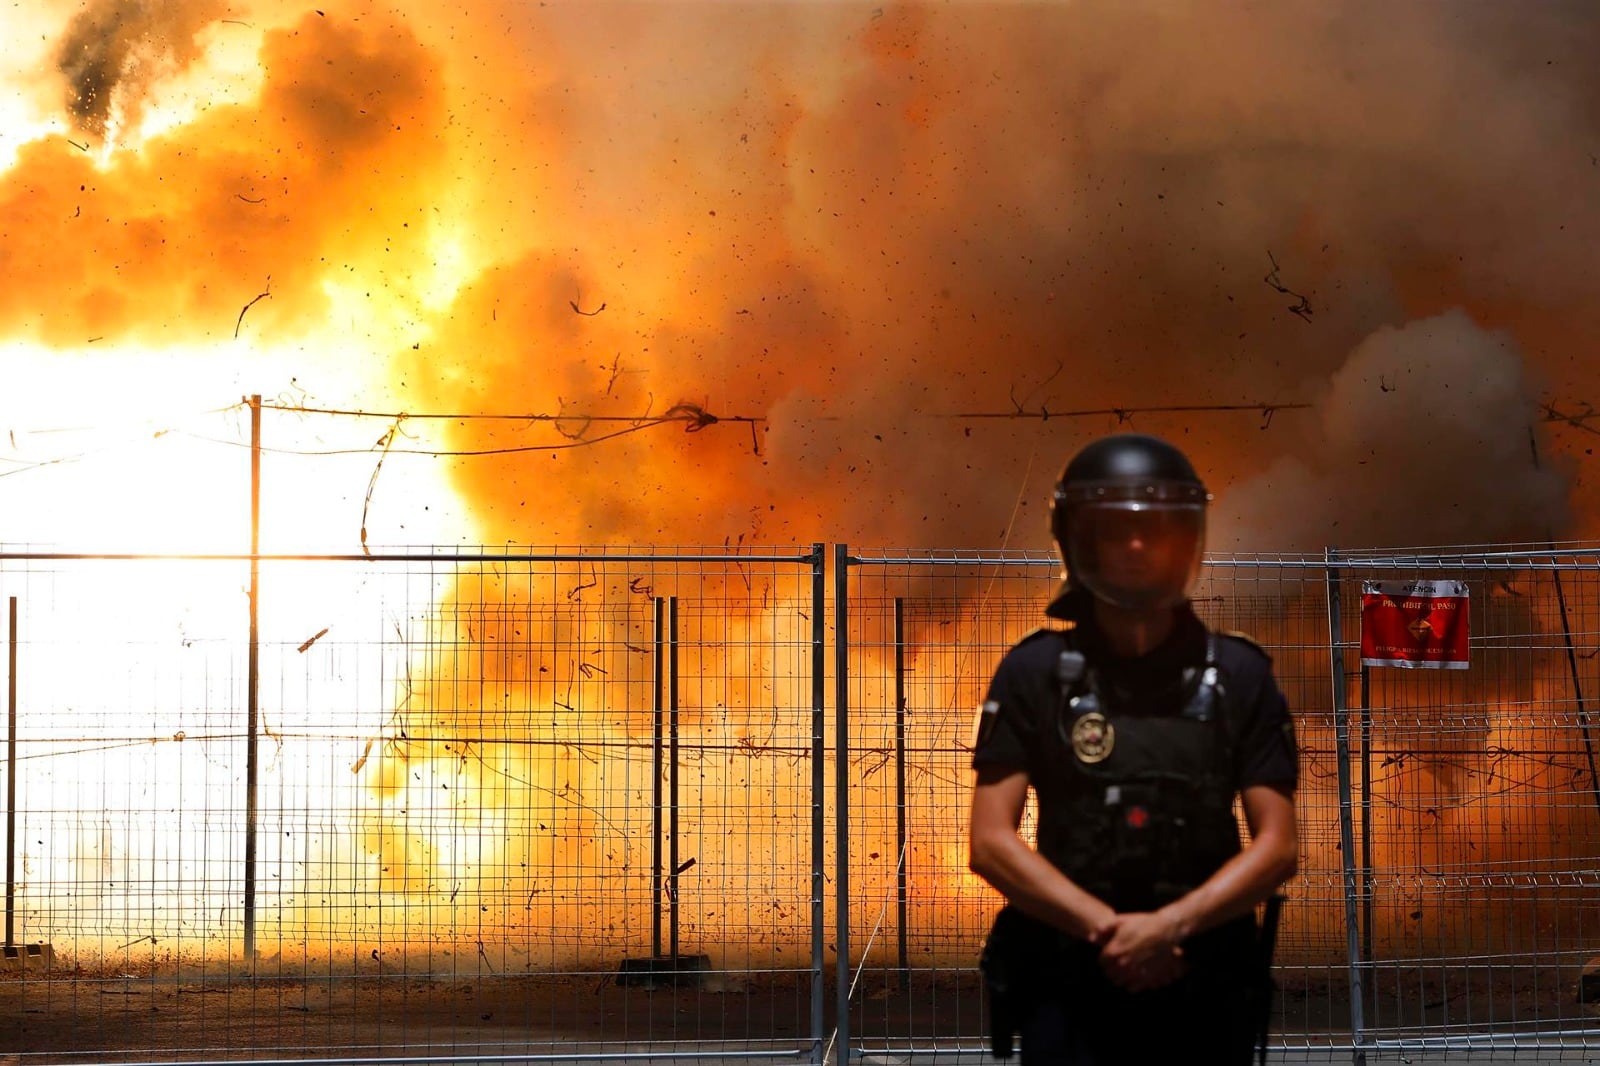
1140	952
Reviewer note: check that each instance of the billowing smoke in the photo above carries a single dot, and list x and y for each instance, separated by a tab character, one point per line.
824	271
783	272
862	224
1425	436
114	50
323	182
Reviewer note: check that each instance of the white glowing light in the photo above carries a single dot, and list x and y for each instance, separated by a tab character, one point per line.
25	98
227	71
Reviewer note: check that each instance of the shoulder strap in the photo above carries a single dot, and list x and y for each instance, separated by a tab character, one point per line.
1075	678
1219	699
1204	698
1072	669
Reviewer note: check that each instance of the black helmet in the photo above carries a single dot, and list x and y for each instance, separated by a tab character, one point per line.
1128	517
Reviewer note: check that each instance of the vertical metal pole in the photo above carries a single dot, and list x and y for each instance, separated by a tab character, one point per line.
900	782
658	703
252	684
1366	814
819	788
672	768
11	775
1341	728
841	766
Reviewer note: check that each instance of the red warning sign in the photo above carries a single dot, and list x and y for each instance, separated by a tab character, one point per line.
1414	624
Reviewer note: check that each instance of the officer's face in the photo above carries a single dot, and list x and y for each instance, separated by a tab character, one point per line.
1148	547
1139	539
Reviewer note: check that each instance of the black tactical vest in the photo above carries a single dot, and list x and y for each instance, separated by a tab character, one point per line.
1138	808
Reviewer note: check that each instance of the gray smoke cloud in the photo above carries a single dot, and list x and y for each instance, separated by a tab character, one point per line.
1425	436
856	226
881	217
113	50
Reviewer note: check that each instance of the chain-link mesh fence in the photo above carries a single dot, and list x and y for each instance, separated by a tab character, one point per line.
503	803
1462	911
533	805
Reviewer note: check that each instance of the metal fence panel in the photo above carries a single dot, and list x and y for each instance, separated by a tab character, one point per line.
1458	915
926	631
543	805
470	805
921	634
1476	813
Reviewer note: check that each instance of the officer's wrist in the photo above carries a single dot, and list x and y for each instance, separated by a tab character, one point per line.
1097	927
1179	925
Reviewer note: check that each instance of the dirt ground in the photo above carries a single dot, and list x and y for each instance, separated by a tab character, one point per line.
60	1017
71	1016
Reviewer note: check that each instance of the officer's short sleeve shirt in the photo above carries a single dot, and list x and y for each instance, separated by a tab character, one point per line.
1022	696
1023	700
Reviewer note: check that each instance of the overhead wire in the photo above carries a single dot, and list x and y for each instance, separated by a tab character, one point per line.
693	417
579	442
126	435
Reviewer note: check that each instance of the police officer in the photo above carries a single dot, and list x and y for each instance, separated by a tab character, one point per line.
1129	933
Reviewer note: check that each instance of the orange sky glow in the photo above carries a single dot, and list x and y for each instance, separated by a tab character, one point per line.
776	273
836	227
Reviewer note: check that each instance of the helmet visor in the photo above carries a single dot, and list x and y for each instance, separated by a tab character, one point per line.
1135	553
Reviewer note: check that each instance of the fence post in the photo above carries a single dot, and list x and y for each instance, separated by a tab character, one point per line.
900	849
1347	848
1366	812
819	791
658	704
672	785
11	774
253	685
841	828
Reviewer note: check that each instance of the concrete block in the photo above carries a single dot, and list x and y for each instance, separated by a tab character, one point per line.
664	970
27	957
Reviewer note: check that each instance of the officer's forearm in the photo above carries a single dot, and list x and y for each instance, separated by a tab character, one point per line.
1033	885
1238	885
